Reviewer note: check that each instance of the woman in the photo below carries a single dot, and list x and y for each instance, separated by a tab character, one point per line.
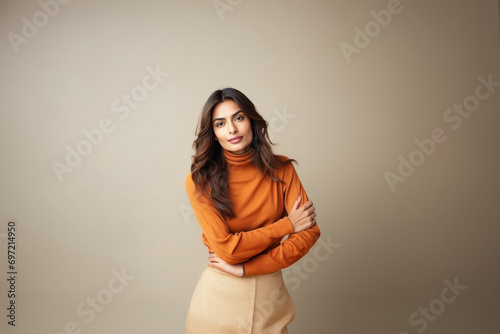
246	199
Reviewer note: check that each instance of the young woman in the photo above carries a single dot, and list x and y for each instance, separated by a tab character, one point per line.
246	199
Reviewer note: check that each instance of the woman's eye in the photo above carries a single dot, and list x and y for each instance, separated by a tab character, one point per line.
219	124
240	118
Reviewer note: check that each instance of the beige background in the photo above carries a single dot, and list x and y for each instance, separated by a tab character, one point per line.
124	206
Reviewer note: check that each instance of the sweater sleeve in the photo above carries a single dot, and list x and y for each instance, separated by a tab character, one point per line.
233	247
296	245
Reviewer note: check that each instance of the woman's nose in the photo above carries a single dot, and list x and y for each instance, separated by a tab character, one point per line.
232	128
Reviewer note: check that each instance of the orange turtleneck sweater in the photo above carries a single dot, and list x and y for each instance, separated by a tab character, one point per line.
261	207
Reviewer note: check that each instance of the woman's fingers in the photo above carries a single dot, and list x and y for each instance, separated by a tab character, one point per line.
304	217
296	203
313	218
310	209
213	258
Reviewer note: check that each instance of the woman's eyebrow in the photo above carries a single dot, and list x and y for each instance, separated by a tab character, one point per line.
221	119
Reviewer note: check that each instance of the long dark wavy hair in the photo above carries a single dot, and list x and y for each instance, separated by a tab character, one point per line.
209	168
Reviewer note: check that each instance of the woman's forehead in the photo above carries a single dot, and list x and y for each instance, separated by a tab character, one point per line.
225	109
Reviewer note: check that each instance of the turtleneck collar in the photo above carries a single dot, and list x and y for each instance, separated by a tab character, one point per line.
238	159
240	165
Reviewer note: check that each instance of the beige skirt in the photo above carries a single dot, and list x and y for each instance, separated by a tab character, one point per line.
224	304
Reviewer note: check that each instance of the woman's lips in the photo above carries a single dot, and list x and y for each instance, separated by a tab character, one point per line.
236	141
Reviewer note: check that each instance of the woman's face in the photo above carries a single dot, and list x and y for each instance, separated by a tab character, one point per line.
232	127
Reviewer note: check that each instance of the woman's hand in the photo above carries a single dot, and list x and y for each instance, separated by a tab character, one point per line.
304	217
216	262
